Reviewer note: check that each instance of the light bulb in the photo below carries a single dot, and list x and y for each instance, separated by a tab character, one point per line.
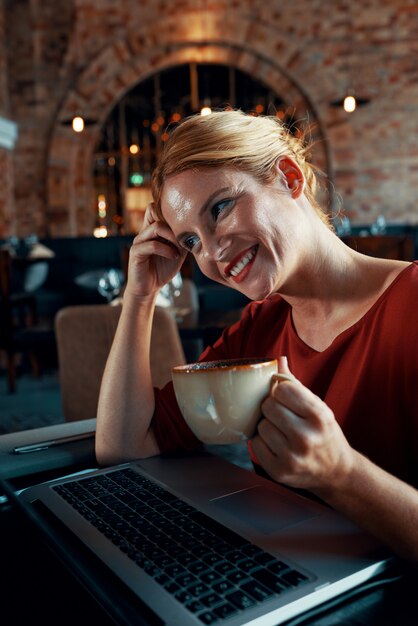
349	104
205	110
78	124
100	232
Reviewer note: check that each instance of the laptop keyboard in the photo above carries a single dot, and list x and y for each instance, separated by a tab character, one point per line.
212	571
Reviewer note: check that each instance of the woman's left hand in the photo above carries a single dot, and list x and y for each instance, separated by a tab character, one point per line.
299	441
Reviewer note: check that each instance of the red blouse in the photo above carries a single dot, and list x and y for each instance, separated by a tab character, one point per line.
368	376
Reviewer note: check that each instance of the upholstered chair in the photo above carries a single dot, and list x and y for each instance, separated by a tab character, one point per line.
84	336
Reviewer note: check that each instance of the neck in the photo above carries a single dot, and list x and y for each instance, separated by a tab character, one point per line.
325	274
334	289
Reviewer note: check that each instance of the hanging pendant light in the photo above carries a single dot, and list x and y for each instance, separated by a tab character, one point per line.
78	123
349	103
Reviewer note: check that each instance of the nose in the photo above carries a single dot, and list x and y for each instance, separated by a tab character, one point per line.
215	247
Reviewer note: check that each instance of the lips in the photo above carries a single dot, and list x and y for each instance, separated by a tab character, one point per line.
240	265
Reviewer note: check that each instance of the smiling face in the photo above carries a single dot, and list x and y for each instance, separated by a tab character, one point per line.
242	233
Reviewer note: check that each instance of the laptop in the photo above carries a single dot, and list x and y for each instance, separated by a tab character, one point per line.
199	540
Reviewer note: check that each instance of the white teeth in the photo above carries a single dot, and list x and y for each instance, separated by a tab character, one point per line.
242	263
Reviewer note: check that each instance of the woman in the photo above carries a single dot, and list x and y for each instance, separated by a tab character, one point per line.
237	192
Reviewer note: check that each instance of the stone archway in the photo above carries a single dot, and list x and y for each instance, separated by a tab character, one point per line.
123	64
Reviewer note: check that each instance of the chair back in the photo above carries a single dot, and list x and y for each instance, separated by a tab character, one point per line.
84	337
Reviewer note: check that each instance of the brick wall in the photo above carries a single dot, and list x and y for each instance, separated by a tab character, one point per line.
7	222
67	55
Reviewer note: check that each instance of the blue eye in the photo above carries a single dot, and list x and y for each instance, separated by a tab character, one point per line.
190	241
219	207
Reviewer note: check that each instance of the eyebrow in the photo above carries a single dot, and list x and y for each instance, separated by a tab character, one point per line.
204	208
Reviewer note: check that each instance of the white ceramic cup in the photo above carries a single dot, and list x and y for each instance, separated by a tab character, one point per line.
221	400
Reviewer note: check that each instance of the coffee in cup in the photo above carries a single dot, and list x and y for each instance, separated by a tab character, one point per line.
221	400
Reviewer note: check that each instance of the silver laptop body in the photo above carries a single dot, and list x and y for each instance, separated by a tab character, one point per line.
329	554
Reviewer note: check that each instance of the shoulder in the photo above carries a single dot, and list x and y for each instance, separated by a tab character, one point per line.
411	273
404	287
393	311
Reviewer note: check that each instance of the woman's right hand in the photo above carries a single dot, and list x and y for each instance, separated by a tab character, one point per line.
154	258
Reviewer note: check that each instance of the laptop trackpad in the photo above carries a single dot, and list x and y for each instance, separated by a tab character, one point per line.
263	509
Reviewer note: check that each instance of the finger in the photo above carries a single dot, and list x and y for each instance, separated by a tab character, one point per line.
283	365
272	463
155	247
149	216
272	433
281	426
261	449
278	378
160	231
301	401
283	371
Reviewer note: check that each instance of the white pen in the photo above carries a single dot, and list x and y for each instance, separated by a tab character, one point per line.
44	445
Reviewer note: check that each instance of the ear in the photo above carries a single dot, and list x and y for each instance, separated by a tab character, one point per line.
291	175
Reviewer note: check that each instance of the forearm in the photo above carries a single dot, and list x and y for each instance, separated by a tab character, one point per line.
126	402
380	503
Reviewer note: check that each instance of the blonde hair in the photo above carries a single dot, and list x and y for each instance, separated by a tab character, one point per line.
233	139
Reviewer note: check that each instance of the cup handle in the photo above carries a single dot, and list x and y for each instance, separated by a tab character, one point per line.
279	378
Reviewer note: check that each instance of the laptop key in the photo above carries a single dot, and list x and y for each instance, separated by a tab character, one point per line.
172	587
199	550
225	610
186	598
258	591
278	567
225	568
187	559
294	578
194	606
187	579
210	577
240	599
175	570
248	565
252	550
222	586
198	567
237	576
208	618
164	561
198	589
270	580
235	556
151	570
162	579
211	599
212	558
